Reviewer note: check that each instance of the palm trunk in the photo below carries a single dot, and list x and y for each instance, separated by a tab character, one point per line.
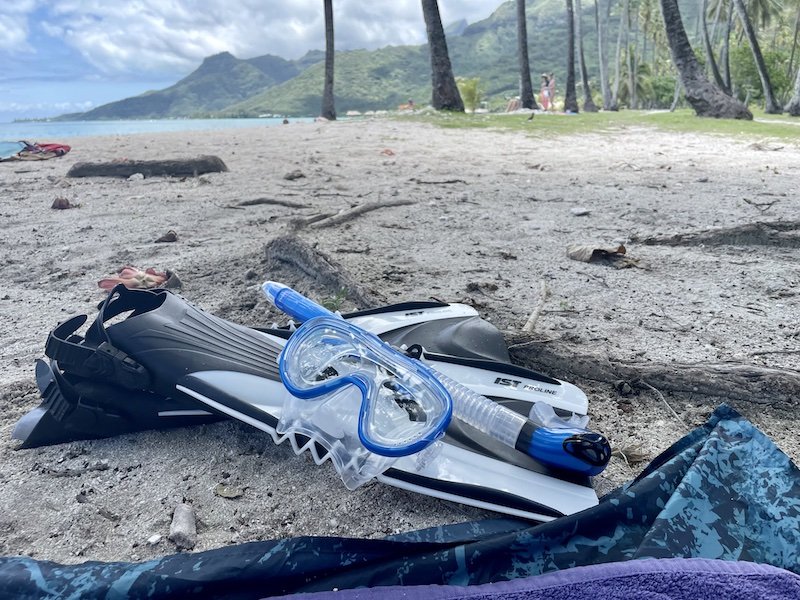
793	106
710	51
525	87
328	109
445	95
794	43
726	52
629	58
588	102
617	64
570	97
706	99
601	54
770	104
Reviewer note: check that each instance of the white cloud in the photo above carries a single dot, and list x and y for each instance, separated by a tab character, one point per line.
173	36
14	29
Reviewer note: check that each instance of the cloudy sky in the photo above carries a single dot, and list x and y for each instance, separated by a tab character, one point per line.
59	56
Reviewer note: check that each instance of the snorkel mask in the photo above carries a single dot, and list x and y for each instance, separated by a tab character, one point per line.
402	405
365	402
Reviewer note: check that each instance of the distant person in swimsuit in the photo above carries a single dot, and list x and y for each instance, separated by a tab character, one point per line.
545	98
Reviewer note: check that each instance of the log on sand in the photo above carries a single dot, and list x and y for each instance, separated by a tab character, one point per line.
189	167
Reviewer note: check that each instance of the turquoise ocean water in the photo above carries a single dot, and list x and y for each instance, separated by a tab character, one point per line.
57	131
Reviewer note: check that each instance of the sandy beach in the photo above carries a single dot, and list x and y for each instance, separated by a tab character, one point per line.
482	217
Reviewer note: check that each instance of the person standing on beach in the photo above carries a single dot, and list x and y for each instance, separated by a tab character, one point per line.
551	86
544	93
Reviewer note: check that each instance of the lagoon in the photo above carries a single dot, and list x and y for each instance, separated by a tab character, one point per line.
54	131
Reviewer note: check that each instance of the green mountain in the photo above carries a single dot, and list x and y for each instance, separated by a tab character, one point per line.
364	80
220	81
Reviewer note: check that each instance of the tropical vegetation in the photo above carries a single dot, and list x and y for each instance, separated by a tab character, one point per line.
720	57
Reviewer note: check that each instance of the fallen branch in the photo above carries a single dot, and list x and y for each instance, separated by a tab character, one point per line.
760	386
444	182
259	201
329	220
530	324
360	210
785	234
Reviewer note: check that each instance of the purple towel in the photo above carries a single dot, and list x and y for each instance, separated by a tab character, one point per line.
646	579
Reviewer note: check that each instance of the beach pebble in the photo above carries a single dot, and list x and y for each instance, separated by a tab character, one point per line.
183	530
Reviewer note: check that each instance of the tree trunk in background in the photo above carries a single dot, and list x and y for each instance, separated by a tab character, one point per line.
570	97
706	99
600	24
771	106
617	62
794	42
588	102
445	94
726	52
712	62
525	87
629	58
328	108
793	106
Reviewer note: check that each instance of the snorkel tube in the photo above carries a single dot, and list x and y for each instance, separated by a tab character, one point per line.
574	449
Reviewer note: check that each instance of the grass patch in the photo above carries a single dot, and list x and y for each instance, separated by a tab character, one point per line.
764	126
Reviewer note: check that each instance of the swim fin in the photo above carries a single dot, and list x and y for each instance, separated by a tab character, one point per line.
170	363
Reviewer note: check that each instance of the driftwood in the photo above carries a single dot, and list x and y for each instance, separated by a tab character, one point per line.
329	219
354	212
290	253
761	386
783	234
189	167
274	201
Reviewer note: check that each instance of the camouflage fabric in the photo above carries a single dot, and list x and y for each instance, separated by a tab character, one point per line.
724	491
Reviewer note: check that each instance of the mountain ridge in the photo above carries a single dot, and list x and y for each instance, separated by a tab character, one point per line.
226	86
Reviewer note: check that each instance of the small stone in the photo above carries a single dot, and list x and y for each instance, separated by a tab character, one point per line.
183	530
154	539
580	211
623	388
294	175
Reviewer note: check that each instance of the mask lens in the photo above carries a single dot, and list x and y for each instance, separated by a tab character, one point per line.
403	407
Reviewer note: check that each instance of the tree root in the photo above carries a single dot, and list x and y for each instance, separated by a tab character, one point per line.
752	384
291	260
783	234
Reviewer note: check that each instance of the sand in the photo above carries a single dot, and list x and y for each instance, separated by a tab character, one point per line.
489	218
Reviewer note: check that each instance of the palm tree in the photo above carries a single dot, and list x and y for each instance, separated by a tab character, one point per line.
793	106
525	87
602	23
706	99
328	109
570	97
445	91
710	59
771	106
621	34
588	103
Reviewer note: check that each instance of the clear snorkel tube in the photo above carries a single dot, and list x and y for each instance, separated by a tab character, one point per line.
570	448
